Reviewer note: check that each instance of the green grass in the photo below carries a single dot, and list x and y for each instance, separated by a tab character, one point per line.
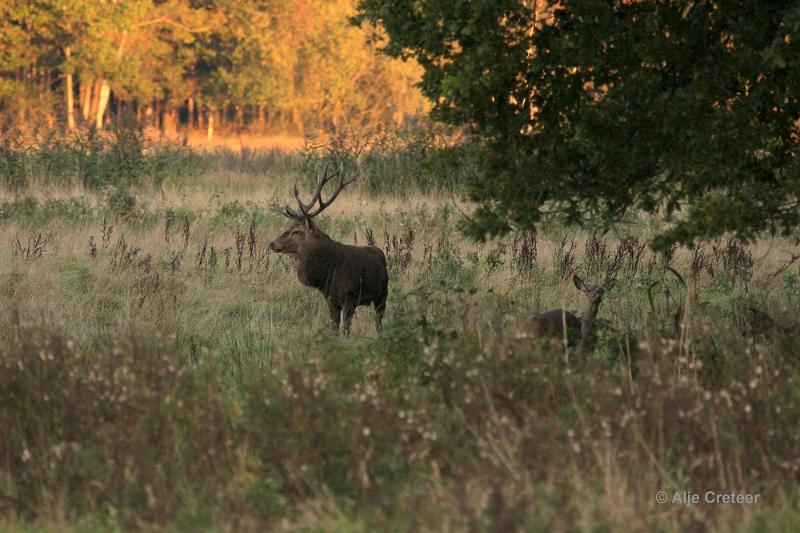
153	380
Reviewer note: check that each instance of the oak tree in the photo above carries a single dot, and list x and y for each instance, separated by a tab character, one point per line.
593	110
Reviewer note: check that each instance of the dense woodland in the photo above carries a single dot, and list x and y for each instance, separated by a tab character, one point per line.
279	66
591	110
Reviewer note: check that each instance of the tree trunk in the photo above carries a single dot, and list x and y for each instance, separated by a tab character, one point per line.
86	98
70	104
169	121
105	92
70	95
239	118
81	97
95	100
192	119
210	131
260	118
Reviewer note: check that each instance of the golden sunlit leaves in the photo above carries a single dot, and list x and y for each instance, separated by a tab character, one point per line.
298	63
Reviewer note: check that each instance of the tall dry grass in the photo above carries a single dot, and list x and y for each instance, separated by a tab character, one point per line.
161	369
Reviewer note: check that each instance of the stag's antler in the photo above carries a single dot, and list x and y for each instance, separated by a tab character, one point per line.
306	211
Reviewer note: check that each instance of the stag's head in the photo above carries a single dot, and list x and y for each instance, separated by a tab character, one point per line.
593	295
292	240
303	231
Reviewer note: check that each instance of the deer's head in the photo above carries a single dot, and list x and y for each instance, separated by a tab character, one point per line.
303	231
593	295
293	239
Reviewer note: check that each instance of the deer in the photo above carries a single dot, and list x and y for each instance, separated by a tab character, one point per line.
762	323
347	276
564	324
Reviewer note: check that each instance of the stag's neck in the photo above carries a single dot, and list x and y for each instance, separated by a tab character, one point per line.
587	323
586	328
316	263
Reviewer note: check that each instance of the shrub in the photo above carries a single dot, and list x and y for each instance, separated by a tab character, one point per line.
127	425
395	158
120	157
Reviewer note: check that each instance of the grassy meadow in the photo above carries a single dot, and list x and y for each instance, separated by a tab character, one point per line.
160	369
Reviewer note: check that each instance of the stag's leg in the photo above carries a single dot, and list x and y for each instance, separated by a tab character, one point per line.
348	311
336	314
380	308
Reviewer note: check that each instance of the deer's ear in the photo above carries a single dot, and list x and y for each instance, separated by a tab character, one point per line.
579	283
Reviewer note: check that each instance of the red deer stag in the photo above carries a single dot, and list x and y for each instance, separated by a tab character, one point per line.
348	276
561	323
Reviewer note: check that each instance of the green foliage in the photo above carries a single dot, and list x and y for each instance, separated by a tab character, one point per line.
29	211
681	108
122	158
12	162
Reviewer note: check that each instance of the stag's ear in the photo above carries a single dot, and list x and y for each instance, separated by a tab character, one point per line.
579	283
609	284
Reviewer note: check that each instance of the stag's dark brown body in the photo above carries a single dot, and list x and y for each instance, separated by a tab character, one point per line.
348	276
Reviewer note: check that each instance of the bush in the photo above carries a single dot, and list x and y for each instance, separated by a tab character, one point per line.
120	157
414	156
128	425
13	156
